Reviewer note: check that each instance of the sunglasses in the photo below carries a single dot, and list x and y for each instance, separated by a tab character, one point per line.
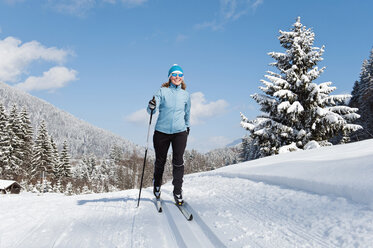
177	74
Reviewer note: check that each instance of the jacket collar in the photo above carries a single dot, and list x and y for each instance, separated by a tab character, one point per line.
172	86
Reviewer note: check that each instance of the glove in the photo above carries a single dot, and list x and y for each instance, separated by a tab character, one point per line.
188	130
152	104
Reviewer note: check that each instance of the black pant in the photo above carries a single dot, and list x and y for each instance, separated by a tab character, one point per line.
161	143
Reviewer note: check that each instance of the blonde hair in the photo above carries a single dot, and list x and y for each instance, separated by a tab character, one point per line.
167	84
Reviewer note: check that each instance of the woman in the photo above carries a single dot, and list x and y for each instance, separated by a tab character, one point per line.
173	103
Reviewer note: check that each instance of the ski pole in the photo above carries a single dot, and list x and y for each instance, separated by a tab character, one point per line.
146	152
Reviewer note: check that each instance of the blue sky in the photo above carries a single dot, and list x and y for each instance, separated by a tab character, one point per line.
102	60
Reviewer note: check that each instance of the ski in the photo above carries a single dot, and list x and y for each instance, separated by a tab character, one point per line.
185	212
158	204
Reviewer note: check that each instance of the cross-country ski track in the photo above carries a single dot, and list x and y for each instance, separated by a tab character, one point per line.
236	206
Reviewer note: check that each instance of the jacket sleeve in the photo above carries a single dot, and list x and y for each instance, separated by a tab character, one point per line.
158	97
187	112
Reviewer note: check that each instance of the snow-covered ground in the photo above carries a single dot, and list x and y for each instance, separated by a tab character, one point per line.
315	198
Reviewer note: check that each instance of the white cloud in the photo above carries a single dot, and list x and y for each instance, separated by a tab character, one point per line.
138	117
212	24
73	7
202	110
54	78
81	7
230	10
133	2
16	57
257	3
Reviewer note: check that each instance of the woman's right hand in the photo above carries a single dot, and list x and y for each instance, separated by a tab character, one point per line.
152	104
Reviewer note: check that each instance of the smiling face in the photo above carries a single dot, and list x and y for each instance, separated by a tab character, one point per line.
176	80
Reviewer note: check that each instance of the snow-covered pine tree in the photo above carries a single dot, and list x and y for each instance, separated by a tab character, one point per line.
42	153
13	169
47	186
84	169
65	166
86	190
297	110
244	149
248	149
58	188
80	170
27	144
69	189
362	98
117	154
106	167
4	141
55	165
92	165
38	187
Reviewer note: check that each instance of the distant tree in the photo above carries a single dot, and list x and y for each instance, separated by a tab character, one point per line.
15	154
57	187
297	110
117	154
221	157
81	171
92	165
4	141
69	189
27	144
195	162
55	160
42	154
65	166
245	149
362	98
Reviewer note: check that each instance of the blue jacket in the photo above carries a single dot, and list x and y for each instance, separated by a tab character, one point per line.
173	104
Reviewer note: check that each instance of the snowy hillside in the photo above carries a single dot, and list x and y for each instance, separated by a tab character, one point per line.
82	137
314	198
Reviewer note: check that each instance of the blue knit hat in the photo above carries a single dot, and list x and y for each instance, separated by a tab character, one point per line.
175	68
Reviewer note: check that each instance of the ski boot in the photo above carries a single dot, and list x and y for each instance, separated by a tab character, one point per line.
178	199
157	191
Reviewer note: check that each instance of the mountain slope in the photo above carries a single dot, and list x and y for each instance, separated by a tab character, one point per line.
82	137
252	204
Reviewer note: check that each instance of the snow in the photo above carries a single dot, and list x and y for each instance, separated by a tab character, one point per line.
284	94
311	145
332	118
5	183
315	198
342	170
289	148
305	79
283	106
296	107
248	126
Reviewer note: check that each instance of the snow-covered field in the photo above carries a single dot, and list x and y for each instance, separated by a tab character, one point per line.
315	198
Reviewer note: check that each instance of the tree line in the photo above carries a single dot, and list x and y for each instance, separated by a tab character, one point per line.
122	169
34	160
29	158
362	98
